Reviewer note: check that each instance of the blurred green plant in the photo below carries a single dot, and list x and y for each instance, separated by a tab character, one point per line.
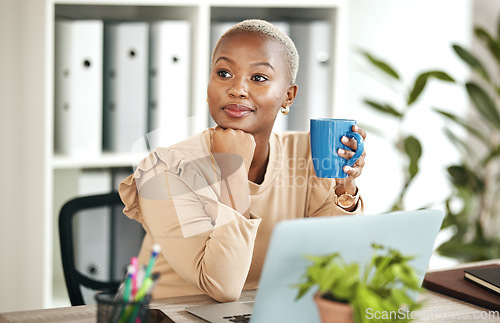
473	207
407	145
384	286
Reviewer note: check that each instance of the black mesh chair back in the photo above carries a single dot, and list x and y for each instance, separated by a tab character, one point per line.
97	242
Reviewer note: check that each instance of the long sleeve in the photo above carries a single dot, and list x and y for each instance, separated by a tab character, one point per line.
208	244
215	258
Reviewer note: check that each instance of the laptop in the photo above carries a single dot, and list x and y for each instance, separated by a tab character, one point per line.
411	232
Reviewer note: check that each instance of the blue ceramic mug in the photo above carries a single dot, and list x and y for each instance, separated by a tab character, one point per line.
326	135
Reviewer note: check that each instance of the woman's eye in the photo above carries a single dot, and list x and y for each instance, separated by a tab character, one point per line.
259	78
223	73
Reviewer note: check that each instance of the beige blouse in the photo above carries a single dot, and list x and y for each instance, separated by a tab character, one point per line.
206	246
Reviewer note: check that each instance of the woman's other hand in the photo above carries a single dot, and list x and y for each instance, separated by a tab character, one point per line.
347	184
357	168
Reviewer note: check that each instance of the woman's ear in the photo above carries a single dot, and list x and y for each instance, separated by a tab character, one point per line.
291	94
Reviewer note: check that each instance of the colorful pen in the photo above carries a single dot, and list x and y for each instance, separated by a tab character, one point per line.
128	282
154	255
145	290
134	262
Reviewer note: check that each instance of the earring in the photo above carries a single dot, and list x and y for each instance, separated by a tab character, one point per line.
284	110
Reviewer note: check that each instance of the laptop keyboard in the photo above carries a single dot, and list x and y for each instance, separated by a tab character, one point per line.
245	318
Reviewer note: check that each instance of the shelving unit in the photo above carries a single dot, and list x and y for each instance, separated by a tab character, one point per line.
35	179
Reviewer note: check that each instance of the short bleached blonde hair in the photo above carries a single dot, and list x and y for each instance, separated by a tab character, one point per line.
269	30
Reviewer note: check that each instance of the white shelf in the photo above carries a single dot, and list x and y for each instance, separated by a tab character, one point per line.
31	171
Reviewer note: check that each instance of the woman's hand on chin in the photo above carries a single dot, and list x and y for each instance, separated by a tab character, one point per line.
232	141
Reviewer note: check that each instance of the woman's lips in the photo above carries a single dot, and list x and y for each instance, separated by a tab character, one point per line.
236	110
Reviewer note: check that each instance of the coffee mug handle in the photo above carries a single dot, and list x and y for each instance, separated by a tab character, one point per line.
359	150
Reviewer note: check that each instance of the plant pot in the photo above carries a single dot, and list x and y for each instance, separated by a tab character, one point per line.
333	312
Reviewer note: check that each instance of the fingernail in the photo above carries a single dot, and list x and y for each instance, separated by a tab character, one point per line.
341	151
345	139
347	169
355	127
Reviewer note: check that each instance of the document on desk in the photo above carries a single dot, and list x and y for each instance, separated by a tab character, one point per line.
169	80
489	278
452	283
78	87
125	84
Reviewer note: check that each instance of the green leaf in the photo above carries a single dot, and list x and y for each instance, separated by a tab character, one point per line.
458	143
407	275
480	238
418	87
440	75
303	288
414	150
472	61
493	154
385	108
463	177
459	175
484	104
401	296
465	124
381	65
463	250
421	81
322	259
492	44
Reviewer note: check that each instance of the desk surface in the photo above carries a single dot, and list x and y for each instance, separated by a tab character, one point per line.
437	308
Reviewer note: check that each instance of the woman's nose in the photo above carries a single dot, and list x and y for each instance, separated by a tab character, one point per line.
238	89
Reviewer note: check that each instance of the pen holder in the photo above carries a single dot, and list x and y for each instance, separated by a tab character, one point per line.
119	311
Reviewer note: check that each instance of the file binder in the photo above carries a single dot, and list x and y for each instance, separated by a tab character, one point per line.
125	84
78	88
313	41
169	82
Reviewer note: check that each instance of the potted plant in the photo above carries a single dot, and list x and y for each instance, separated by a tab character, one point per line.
380	293
474	203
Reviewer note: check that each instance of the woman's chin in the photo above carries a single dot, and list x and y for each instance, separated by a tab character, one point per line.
232	125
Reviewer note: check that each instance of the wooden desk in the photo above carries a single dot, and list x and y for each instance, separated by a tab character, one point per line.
437	308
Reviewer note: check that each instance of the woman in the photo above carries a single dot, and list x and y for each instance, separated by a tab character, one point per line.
212	201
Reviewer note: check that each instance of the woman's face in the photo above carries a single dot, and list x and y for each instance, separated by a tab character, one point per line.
248	83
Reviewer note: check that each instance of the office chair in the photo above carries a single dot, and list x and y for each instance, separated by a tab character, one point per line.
97	241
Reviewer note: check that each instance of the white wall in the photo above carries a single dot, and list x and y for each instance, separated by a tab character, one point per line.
414	36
